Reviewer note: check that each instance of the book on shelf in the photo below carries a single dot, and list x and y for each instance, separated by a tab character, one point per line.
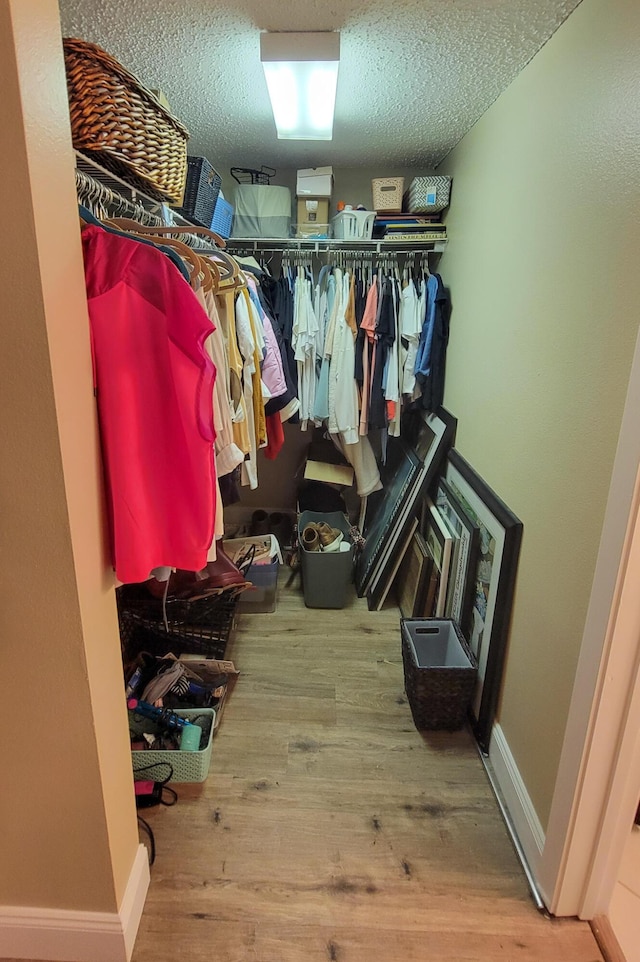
420	236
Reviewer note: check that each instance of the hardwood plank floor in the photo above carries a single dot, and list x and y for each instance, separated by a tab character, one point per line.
329	829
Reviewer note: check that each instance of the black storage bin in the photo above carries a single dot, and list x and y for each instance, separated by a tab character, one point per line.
326	575
439	672
201	192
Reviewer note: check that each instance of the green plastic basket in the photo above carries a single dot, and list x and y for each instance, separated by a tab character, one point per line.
187	766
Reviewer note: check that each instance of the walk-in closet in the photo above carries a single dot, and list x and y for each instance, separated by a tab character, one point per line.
320	474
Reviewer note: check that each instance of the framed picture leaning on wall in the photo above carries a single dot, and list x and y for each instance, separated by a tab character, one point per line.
486	626
463	572
416	458
413	577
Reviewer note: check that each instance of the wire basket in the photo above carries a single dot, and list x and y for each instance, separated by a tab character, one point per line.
122	124
201	192
202	628
249	175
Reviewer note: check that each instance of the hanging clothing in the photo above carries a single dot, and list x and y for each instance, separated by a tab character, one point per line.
228	454
252	386
430	366
385	334
368	327
275	437
410	324
343	391
154	387
304	333
226	314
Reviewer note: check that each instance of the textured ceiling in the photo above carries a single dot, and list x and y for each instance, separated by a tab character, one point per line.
415	75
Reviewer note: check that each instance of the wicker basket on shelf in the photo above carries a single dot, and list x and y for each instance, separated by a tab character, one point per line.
122	125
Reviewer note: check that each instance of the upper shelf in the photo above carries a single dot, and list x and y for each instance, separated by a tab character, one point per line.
318	244
170	217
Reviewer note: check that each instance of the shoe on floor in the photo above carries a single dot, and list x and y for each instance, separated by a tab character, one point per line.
330	538
311	538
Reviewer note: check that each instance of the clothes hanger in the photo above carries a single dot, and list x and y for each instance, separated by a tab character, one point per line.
192	229
198	270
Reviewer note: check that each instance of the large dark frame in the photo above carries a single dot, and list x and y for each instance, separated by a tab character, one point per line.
418	458
487	627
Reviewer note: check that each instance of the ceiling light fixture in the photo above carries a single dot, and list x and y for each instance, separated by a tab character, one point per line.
301	70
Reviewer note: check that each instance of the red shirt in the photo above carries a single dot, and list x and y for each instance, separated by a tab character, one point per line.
154	387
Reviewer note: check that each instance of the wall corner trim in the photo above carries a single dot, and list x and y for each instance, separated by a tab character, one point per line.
59	935
525	821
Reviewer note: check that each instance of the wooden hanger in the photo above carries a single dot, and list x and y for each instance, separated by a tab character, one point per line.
198	273
189	229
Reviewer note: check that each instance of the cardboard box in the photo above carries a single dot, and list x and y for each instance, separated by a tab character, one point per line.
312	210
329	473
315	182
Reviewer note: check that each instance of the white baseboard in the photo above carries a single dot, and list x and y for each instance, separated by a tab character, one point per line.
58	935
524	819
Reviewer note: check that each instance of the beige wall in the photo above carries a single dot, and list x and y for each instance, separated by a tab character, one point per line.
69	834
544	231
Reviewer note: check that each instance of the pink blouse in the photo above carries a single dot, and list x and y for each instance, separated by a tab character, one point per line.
154	383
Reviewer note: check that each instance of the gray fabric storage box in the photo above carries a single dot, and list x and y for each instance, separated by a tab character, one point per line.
428	195
439	672
262	211
326	575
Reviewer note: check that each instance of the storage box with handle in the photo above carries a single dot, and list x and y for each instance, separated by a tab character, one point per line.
121	125
387	194
439	672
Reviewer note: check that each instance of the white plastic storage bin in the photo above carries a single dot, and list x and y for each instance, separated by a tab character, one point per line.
354	224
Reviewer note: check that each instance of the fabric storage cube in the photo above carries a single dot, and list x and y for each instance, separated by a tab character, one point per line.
222	220
326	575
428	195
187	766
262	211
387	194
439	672
201	192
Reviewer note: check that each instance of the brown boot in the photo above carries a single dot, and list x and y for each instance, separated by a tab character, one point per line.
311	538
330	538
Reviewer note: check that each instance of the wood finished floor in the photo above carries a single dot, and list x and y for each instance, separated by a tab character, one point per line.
329	830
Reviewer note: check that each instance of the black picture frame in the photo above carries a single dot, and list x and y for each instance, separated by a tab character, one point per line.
417	458
487	627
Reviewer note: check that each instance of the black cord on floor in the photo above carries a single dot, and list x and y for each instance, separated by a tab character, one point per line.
152	842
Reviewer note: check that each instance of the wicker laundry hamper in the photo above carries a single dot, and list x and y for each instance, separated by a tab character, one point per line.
122	125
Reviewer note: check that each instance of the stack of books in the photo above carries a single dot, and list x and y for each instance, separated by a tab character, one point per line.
409	227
